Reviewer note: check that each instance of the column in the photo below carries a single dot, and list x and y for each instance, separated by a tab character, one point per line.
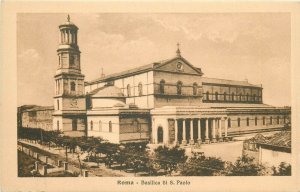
214	131
191	132
176	132
154	133
226	127
220	130
68	36
183	133
206	131
199	132
65	166
44	171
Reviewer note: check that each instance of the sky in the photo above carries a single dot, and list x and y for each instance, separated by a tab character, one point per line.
236	46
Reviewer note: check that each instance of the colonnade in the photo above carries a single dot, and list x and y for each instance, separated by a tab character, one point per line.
213	130
68	36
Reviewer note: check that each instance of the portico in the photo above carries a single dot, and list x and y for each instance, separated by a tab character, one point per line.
188	125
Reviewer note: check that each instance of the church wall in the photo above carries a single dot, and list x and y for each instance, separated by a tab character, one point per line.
234	128
100	127
170	96
160	122
134	128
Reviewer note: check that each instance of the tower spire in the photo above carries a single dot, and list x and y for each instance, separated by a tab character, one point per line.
178	50
68	18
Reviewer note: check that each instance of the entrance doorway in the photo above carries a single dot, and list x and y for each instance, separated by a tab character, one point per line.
160	135
74	124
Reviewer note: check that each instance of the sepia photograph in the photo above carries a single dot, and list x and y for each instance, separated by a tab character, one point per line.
135	94
150	96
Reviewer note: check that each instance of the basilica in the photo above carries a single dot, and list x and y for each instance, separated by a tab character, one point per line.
165	102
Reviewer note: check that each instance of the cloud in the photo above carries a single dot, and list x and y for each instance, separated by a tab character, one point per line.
29	54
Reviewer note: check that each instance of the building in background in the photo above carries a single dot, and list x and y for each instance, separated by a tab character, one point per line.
272	150
166	102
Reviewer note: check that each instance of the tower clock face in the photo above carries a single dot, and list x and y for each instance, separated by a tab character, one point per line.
73	102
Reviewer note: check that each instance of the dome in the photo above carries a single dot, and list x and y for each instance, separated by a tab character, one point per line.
107	91
68	23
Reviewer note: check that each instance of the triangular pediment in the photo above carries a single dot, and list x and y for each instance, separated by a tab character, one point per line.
179	65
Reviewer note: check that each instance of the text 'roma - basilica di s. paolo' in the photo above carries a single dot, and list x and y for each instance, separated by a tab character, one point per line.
166	102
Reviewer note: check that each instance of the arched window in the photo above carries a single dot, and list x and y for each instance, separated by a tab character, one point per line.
248	121
255	121
57	101
73	86
207	96
140	87
225	95
100	125
239	122
271	120
92	124
162	86
240	97
128	90
195	89
217	96
264	121
57	124
229	123
278	120
247	97
110	126
232	96
179	88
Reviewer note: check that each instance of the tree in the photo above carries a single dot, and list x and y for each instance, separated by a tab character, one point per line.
203	166
283	169
246	166
169	158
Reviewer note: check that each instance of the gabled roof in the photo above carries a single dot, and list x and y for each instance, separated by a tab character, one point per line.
141	69
228	82
281	139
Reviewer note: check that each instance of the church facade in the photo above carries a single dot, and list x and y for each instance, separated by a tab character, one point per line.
168	102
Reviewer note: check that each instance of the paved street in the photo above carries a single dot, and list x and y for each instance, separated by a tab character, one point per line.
228	151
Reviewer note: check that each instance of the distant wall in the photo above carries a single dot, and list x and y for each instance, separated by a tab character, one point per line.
37	118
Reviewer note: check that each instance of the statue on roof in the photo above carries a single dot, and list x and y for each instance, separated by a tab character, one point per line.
178	51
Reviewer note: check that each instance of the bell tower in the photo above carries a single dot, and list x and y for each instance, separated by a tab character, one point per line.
69	98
